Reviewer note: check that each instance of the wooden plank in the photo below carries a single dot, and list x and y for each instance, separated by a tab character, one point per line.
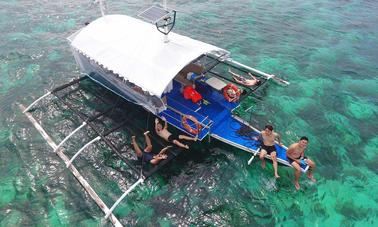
72	168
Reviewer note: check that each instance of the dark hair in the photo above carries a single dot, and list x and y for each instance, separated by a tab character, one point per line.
304	138
269	127
258	82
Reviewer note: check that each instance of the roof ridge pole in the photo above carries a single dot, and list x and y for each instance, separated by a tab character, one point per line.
166	40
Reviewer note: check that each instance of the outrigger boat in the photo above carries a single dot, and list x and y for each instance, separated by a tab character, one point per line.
184	80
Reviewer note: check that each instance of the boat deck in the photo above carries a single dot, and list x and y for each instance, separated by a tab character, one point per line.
215	112
210	111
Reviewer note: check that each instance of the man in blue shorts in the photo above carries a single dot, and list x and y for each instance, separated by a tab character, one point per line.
146	155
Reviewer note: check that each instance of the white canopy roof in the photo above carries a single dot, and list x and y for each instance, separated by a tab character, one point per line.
137	52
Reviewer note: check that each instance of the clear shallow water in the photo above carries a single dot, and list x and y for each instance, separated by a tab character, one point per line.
328	50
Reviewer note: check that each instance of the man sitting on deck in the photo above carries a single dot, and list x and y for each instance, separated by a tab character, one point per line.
146	155
167	136
242	80
295	154
267	138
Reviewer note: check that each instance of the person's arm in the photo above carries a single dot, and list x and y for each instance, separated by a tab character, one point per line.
302	155
161	156
164	150
289	153
252	76
156	123
278	137
165	122
233	74
157	159
259	138
237	79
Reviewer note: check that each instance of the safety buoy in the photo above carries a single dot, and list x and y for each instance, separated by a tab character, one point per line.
231	92
193	130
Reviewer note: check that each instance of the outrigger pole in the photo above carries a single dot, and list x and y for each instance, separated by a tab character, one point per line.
55	90
142	175
72	168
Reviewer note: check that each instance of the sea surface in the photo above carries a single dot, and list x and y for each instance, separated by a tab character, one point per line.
328	50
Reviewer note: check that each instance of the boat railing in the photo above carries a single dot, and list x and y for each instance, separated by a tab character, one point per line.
204	121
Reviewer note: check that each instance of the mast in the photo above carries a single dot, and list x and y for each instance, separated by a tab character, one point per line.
162	17
102	6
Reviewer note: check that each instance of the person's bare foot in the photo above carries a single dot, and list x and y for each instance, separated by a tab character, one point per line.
276	176
296	184
186	147
146	132
195	138
311	177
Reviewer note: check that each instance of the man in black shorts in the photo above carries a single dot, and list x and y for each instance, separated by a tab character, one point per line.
163	132
295	155
268	137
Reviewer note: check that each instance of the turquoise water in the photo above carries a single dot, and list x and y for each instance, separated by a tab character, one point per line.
328	50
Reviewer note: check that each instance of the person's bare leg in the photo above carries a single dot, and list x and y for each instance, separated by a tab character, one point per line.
275	165
184	137
297	174
262	158
137	149
309	172
148	142
178	143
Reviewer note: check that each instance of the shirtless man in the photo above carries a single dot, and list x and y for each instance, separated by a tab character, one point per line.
268	137
167	136
146	155
242	80
295	154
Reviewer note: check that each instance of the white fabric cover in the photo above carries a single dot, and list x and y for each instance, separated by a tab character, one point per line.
137	52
